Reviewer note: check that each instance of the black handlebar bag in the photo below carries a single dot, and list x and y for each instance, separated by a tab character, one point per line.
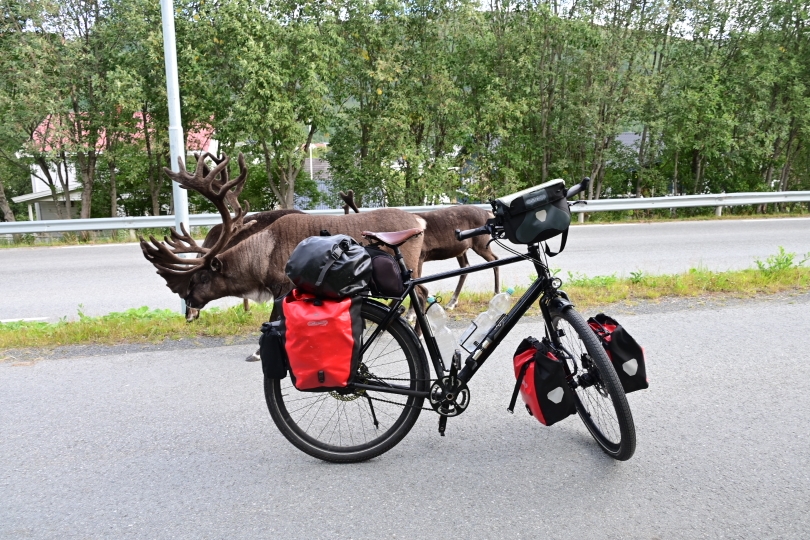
330	267
535	214
626	355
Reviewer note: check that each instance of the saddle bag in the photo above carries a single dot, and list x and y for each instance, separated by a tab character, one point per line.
386	275
322	340
625	354
535	214
331	267
541	381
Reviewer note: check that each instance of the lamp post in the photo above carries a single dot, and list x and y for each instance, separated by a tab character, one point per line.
176	142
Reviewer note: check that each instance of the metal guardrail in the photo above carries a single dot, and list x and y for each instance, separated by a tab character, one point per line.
717	200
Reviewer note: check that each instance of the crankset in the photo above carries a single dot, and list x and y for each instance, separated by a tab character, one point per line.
449	396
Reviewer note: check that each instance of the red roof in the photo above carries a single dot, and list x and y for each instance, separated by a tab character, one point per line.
50	135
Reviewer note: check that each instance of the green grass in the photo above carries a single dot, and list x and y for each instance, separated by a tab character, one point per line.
778	273
141	325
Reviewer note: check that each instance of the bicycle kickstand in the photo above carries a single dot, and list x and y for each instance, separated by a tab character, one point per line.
442	424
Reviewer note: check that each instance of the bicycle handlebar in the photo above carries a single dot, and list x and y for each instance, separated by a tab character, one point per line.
469	233
574	190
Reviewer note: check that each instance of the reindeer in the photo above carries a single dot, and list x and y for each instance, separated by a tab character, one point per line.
254	267
440	241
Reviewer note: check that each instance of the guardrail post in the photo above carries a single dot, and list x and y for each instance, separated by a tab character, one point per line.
718	211
581	217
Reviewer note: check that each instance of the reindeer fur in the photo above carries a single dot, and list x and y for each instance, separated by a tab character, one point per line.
440	240
254	268
262	221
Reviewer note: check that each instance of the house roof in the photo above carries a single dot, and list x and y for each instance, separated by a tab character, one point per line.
50	135
39	196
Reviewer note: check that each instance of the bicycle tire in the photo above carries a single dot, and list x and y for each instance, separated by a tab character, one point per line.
394	353
601	406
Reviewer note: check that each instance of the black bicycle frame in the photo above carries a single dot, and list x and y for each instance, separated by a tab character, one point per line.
542	285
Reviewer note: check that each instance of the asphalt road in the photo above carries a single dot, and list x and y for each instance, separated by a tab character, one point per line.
51	283
179	444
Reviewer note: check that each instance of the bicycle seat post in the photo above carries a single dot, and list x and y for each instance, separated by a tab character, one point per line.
406	272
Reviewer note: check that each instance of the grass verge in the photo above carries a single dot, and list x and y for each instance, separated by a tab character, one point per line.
781	272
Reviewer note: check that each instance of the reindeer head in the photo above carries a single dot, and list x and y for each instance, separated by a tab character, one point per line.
200	279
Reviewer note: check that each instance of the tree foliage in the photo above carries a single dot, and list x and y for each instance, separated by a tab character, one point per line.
422	101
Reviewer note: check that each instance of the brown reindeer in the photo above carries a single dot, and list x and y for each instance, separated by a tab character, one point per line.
440	241
254	267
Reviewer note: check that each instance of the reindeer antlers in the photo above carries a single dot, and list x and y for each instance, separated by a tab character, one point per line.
224	192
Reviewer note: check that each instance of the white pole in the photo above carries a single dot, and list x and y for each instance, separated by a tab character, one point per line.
176	142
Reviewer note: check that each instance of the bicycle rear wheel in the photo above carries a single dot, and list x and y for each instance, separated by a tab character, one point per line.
340	426
600	399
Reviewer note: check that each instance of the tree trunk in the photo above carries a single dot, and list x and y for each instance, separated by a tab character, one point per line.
675	173
43	166
87	168
8	215
64	181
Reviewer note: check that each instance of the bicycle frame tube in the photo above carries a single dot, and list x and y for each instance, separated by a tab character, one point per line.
493	338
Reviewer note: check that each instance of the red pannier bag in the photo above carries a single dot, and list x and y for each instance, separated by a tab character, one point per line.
542	383
322	339
625	354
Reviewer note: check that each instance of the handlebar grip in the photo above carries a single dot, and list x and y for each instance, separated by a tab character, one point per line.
575	190
469	233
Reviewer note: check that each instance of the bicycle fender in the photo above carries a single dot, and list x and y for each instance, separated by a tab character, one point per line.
559	303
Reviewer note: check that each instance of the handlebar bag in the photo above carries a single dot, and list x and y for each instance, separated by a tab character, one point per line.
322	340
332	267
626	355
541	381
386	276
535	214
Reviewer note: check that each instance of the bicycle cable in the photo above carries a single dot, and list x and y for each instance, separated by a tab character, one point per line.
521	255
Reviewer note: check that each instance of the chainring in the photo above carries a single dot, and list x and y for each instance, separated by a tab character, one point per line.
449	396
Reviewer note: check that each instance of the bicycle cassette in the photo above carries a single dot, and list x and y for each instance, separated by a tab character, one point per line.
449	396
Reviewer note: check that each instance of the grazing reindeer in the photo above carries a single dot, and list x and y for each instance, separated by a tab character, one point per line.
440	240
254	267
253	224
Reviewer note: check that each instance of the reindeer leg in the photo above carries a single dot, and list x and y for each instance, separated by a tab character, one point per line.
463	262
487	254
245	304
410	315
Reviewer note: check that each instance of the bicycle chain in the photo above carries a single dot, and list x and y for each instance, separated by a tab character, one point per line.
394	402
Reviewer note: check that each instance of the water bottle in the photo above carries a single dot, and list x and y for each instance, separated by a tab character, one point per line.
437	318
481	325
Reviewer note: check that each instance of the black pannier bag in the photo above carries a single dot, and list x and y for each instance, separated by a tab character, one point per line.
541	382
271	350
625	354
331	267
535	214
386	275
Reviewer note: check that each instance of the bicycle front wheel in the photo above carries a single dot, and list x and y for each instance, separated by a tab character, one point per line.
600	399
344	426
